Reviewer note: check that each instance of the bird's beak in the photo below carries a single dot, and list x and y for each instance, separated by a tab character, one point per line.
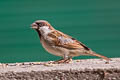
34	26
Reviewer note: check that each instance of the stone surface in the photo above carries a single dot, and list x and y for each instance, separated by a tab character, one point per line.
89	69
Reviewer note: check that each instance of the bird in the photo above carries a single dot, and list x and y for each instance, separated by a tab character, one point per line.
61	44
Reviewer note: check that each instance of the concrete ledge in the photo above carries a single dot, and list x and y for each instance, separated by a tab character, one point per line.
89	69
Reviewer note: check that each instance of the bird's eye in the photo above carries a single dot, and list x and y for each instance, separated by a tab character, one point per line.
37	23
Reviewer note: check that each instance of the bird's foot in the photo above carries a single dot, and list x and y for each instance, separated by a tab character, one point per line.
62	61
52	63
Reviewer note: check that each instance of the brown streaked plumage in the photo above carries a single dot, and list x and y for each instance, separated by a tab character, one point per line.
60	44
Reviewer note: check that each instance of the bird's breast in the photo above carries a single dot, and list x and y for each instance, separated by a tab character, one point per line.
58	51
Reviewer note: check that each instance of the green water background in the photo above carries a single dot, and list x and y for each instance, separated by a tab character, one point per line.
96	23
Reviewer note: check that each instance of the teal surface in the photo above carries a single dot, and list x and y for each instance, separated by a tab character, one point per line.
95	23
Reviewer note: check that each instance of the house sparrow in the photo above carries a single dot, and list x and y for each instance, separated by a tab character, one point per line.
60	44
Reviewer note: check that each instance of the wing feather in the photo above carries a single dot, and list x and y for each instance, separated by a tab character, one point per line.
62	40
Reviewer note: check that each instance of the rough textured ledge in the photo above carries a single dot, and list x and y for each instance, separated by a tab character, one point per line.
89	69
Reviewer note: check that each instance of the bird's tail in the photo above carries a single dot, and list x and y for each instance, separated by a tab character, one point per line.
98	55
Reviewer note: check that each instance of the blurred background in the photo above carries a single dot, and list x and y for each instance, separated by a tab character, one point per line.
95	23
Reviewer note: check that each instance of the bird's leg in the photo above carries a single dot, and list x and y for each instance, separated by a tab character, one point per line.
60	61
66	59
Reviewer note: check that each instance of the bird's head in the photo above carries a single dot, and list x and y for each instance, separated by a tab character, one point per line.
41	23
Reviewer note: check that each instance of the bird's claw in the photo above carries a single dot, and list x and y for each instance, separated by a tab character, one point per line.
62	61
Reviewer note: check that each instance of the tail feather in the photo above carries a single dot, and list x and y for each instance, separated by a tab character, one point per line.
98	55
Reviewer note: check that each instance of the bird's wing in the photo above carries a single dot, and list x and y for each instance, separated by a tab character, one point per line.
62	40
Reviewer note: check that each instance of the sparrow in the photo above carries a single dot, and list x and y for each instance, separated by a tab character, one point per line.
60	44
